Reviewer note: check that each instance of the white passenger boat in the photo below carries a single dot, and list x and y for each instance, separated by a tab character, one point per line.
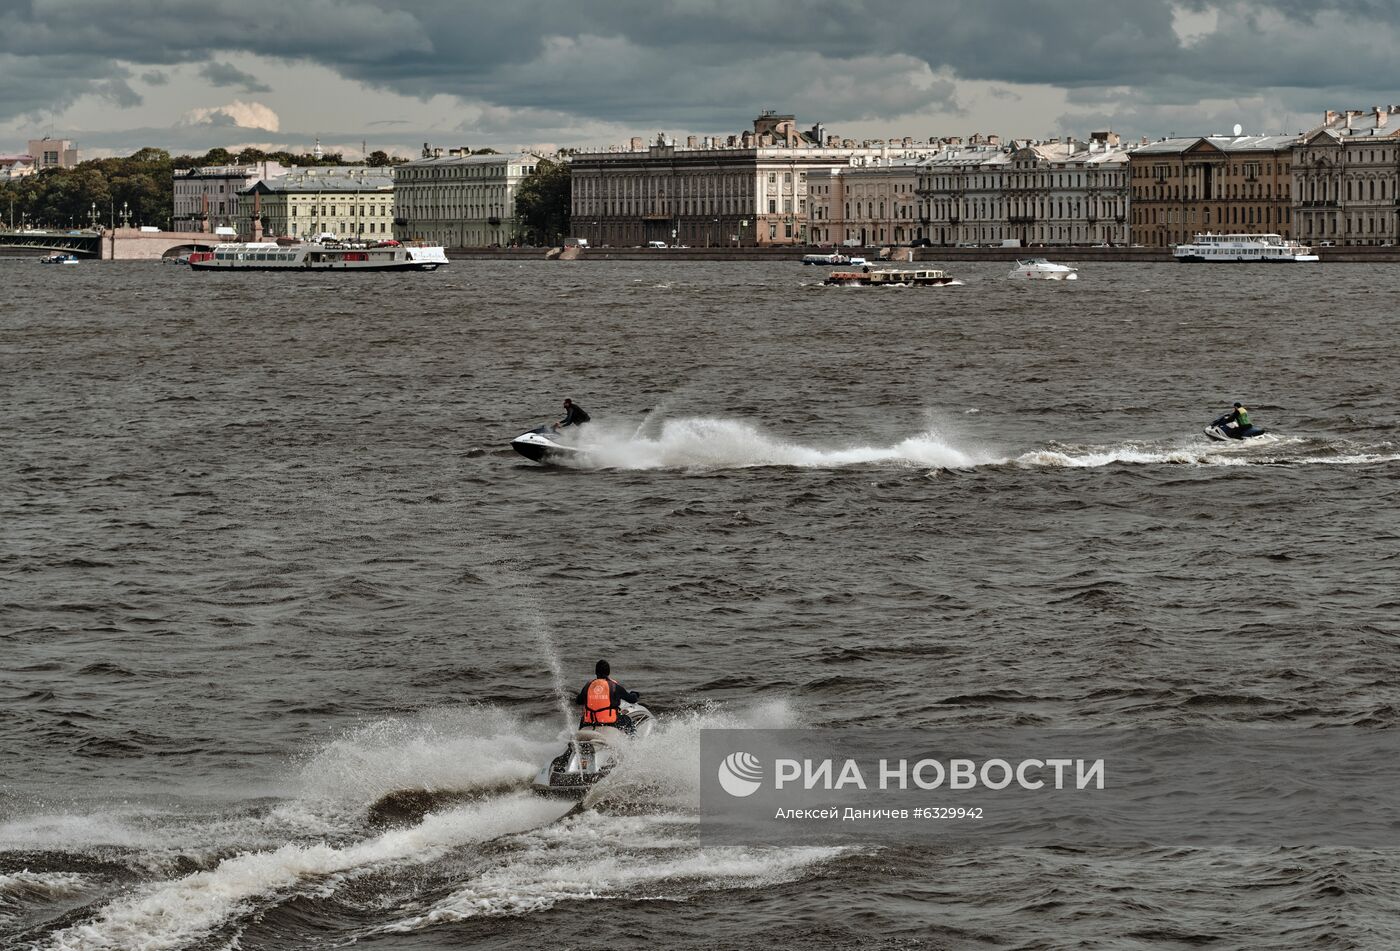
1039	269
825	259
1242	249
318	256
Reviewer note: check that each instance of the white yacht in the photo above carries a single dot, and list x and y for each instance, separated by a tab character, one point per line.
1039	269
319	256
1242	249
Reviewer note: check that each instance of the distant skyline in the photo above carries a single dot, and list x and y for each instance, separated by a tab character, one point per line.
117	75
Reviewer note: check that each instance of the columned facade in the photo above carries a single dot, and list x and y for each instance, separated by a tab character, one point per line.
1241	184
751	189
458	200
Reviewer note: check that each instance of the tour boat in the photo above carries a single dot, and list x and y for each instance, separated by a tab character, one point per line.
1039	269
890	277
1242	249
825	259
59	258
315	256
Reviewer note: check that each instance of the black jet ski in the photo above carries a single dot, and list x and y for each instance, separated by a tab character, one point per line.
546	445
1219	431
592	754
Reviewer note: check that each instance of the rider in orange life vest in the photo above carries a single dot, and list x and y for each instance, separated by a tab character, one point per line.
600	699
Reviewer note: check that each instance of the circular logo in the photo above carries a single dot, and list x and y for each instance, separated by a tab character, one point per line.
740	774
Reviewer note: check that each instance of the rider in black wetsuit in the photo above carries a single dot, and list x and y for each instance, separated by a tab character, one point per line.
574	415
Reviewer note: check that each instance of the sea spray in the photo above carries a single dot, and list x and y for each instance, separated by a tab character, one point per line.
543	632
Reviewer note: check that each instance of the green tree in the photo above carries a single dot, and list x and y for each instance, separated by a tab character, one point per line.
542	203
379	158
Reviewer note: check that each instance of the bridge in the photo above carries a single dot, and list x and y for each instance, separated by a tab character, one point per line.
115	244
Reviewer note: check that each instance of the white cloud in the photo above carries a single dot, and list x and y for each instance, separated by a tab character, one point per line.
244	115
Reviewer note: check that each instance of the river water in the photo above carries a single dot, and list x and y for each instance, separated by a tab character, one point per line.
268	564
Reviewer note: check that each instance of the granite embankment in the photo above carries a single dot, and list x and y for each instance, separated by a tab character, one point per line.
1365	255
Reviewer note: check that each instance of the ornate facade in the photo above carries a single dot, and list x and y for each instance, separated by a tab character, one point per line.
1184	186
865	204
1346	177
749	189
1035	193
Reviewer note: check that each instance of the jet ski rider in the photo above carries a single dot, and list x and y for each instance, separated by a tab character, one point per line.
574	415
1238	420
601	698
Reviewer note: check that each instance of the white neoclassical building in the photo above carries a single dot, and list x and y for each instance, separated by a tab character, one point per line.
456	199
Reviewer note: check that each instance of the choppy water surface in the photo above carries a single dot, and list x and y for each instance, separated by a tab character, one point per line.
267	561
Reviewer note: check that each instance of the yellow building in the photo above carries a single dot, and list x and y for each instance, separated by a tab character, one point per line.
348	201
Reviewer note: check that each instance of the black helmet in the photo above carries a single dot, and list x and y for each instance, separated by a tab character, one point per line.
1238	406
602	668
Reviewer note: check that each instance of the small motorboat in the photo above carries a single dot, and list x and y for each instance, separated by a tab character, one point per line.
1220	431
1039	269
593	753
545	444
59	258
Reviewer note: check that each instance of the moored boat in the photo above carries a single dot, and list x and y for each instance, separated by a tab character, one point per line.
319	256
890	277
1211	248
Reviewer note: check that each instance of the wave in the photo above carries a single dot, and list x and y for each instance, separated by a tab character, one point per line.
527	852
717	443
1268	450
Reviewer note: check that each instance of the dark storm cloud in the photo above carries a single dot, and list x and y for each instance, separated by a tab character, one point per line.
226	74
693	63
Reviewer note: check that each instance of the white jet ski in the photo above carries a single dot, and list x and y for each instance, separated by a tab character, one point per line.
592	754
546	445
1220	432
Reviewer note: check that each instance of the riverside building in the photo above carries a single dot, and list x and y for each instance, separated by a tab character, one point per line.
1183	186
207	198
1346	179
455	199
750	189
1034	193
348	201
870	203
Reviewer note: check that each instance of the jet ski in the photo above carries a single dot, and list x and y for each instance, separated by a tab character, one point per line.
545	445
1218	431
592	754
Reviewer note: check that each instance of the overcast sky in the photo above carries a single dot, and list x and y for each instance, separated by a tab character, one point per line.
117	75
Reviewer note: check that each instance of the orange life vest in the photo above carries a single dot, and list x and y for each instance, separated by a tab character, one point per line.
597	704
